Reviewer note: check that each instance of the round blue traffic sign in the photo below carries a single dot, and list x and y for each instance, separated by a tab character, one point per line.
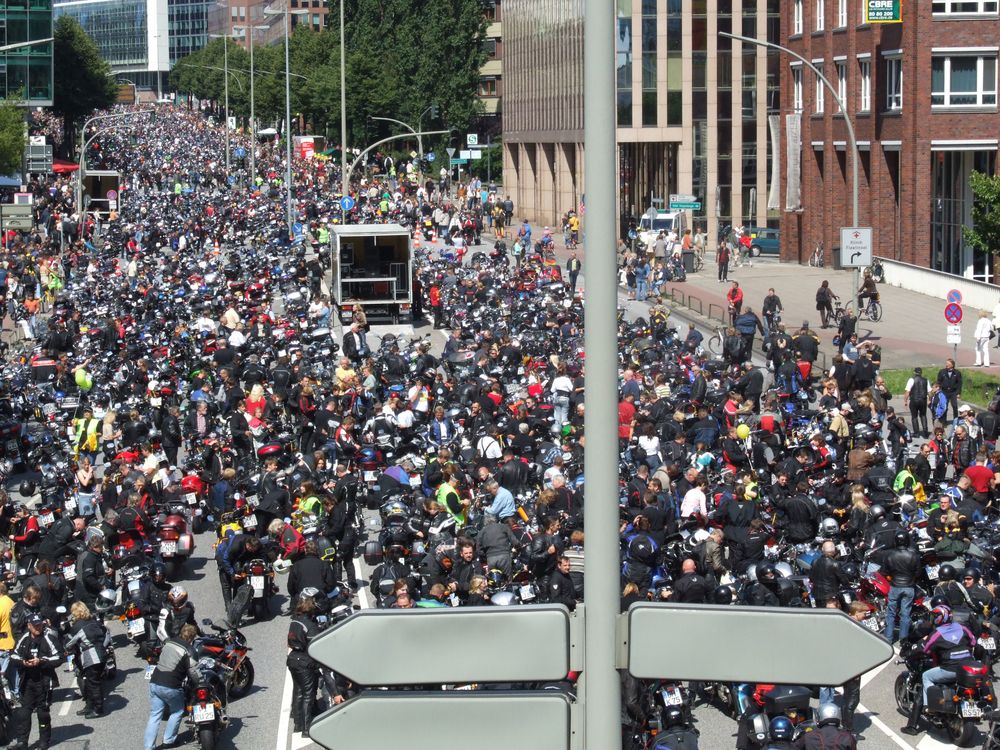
346	203
955	297
240	152
431	156
953	313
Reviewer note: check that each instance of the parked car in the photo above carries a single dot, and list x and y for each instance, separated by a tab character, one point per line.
764	241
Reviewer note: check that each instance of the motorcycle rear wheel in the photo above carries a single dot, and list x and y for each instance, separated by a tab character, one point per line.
904	697
960	730
206	738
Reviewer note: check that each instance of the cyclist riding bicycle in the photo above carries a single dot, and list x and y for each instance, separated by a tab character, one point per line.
867	290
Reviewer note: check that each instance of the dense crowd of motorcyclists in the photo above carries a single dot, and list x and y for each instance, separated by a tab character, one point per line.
170	370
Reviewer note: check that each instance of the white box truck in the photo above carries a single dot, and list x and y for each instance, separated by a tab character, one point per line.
373	265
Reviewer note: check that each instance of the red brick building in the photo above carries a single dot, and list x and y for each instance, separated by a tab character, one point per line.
922	95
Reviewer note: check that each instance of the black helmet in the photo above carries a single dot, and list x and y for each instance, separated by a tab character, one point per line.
673	716
877	513
973	573
27	489
766	570
850	570
938	599
901	539
947	572
159	572
722	595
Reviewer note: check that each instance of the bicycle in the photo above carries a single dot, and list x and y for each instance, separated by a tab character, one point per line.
716	341
699	258
816	259
871	312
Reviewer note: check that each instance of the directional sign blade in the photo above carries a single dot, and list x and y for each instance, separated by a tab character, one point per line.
750	644
430	646
540	720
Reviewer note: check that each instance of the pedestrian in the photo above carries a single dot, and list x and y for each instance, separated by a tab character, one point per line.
735	299
573	266
915	396
37	654
950	380
166	687
984	332
434	300
642	271
996	322
305	672
89	641
824	303
722	258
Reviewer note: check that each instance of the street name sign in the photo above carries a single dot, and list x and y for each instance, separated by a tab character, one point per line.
855	247
538	720
749	644
425	646
682	198
685	205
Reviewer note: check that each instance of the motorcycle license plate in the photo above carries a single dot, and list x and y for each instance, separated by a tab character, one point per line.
168	549
325	351
257	583
673	697
69	572
149	670
136	627
70	505
971	710
369	476
527	593
932	571
872	624
191	498
45	520
203	713
11	447
250	522
990	644
414	481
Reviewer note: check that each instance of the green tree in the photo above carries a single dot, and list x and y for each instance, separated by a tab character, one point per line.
12	140
984	234
83	79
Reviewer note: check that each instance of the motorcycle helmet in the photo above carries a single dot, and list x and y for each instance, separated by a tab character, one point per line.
672	717
850	570
177	597
974	574
783	569
105	600
829	527
937	600
27	489
159	573
947	572
876	513
282	566
901	539
766	571
941	615
828	713
722	595
781	729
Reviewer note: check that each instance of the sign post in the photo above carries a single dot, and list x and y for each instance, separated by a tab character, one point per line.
953	314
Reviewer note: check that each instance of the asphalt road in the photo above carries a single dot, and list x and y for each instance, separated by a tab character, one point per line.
260	721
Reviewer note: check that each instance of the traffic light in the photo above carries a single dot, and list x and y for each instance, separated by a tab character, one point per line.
434	111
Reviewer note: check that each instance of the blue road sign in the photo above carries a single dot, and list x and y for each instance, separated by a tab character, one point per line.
240	152
431	156
953	313
297	229
232	179
955	297
346	203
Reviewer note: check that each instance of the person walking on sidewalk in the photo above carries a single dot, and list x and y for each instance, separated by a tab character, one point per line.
996	322
984	332
735	299
950	380
824	303
915	396
573	266
722	258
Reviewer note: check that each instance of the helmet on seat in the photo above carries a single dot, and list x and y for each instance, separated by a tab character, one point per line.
722	595
781	729
673	716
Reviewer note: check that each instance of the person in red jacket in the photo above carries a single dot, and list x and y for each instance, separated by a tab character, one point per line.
735	299
434	297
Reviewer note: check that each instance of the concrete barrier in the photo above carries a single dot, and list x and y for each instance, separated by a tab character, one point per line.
977	294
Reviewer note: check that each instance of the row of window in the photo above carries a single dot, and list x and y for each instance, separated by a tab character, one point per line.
957	80
938	7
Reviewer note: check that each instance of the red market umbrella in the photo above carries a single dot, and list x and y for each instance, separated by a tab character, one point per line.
61	166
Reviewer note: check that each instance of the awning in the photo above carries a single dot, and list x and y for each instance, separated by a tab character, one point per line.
13	181
267	132
61	166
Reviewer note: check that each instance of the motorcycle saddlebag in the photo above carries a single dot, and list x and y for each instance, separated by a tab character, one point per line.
270	449
940	699
43	370
785	698
373	553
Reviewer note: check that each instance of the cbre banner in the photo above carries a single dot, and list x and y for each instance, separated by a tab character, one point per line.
883	11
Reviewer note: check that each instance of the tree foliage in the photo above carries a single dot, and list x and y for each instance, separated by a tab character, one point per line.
12	140
984	234
83	79
402	56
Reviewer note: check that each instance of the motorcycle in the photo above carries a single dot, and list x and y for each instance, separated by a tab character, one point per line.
175	541
956	708
229	649
207	701
255	592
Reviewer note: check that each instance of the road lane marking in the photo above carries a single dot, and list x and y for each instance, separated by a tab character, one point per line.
66	705
884	728
930	743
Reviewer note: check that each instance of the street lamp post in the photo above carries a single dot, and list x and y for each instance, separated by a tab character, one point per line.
855	154
225	64
287	12
345	187
253	124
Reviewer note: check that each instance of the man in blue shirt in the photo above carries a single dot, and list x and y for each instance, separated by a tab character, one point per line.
503	505
525	234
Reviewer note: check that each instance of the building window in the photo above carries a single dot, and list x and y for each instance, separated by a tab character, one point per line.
797	17
841	14
893	84
820	15
490	47
842	82
820	90
964	81
797	88
865	91
487	86
964	7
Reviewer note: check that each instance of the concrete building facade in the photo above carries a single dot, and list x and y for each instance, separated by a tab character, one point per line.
922	95
692	108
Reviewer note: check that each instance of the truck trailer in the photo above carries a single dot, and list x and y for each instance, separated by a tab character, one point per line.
373	266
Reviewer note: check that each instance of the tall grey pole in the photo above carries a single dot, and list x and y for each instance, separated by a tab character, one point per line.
288	133
855	154
602	698
253	126
225	64
345	188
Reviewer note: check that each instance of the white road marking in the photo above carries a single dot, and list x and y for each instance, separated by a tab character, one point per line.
66	705
930	743
885	728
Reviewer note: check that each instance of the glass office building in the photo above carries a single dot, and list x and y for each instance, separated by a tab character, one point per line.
132	35
188	21
26	73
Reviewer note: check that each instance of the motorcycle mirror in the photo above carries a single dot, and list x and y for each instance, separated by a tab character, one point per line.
207	622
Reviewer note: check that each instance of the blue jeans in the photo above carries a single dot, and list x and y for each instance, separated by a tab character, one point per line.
936	675
827	695
161	697
900	601
641	289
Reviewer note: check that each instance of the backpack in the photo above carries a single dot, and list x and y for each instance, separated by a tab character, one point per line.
918	391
